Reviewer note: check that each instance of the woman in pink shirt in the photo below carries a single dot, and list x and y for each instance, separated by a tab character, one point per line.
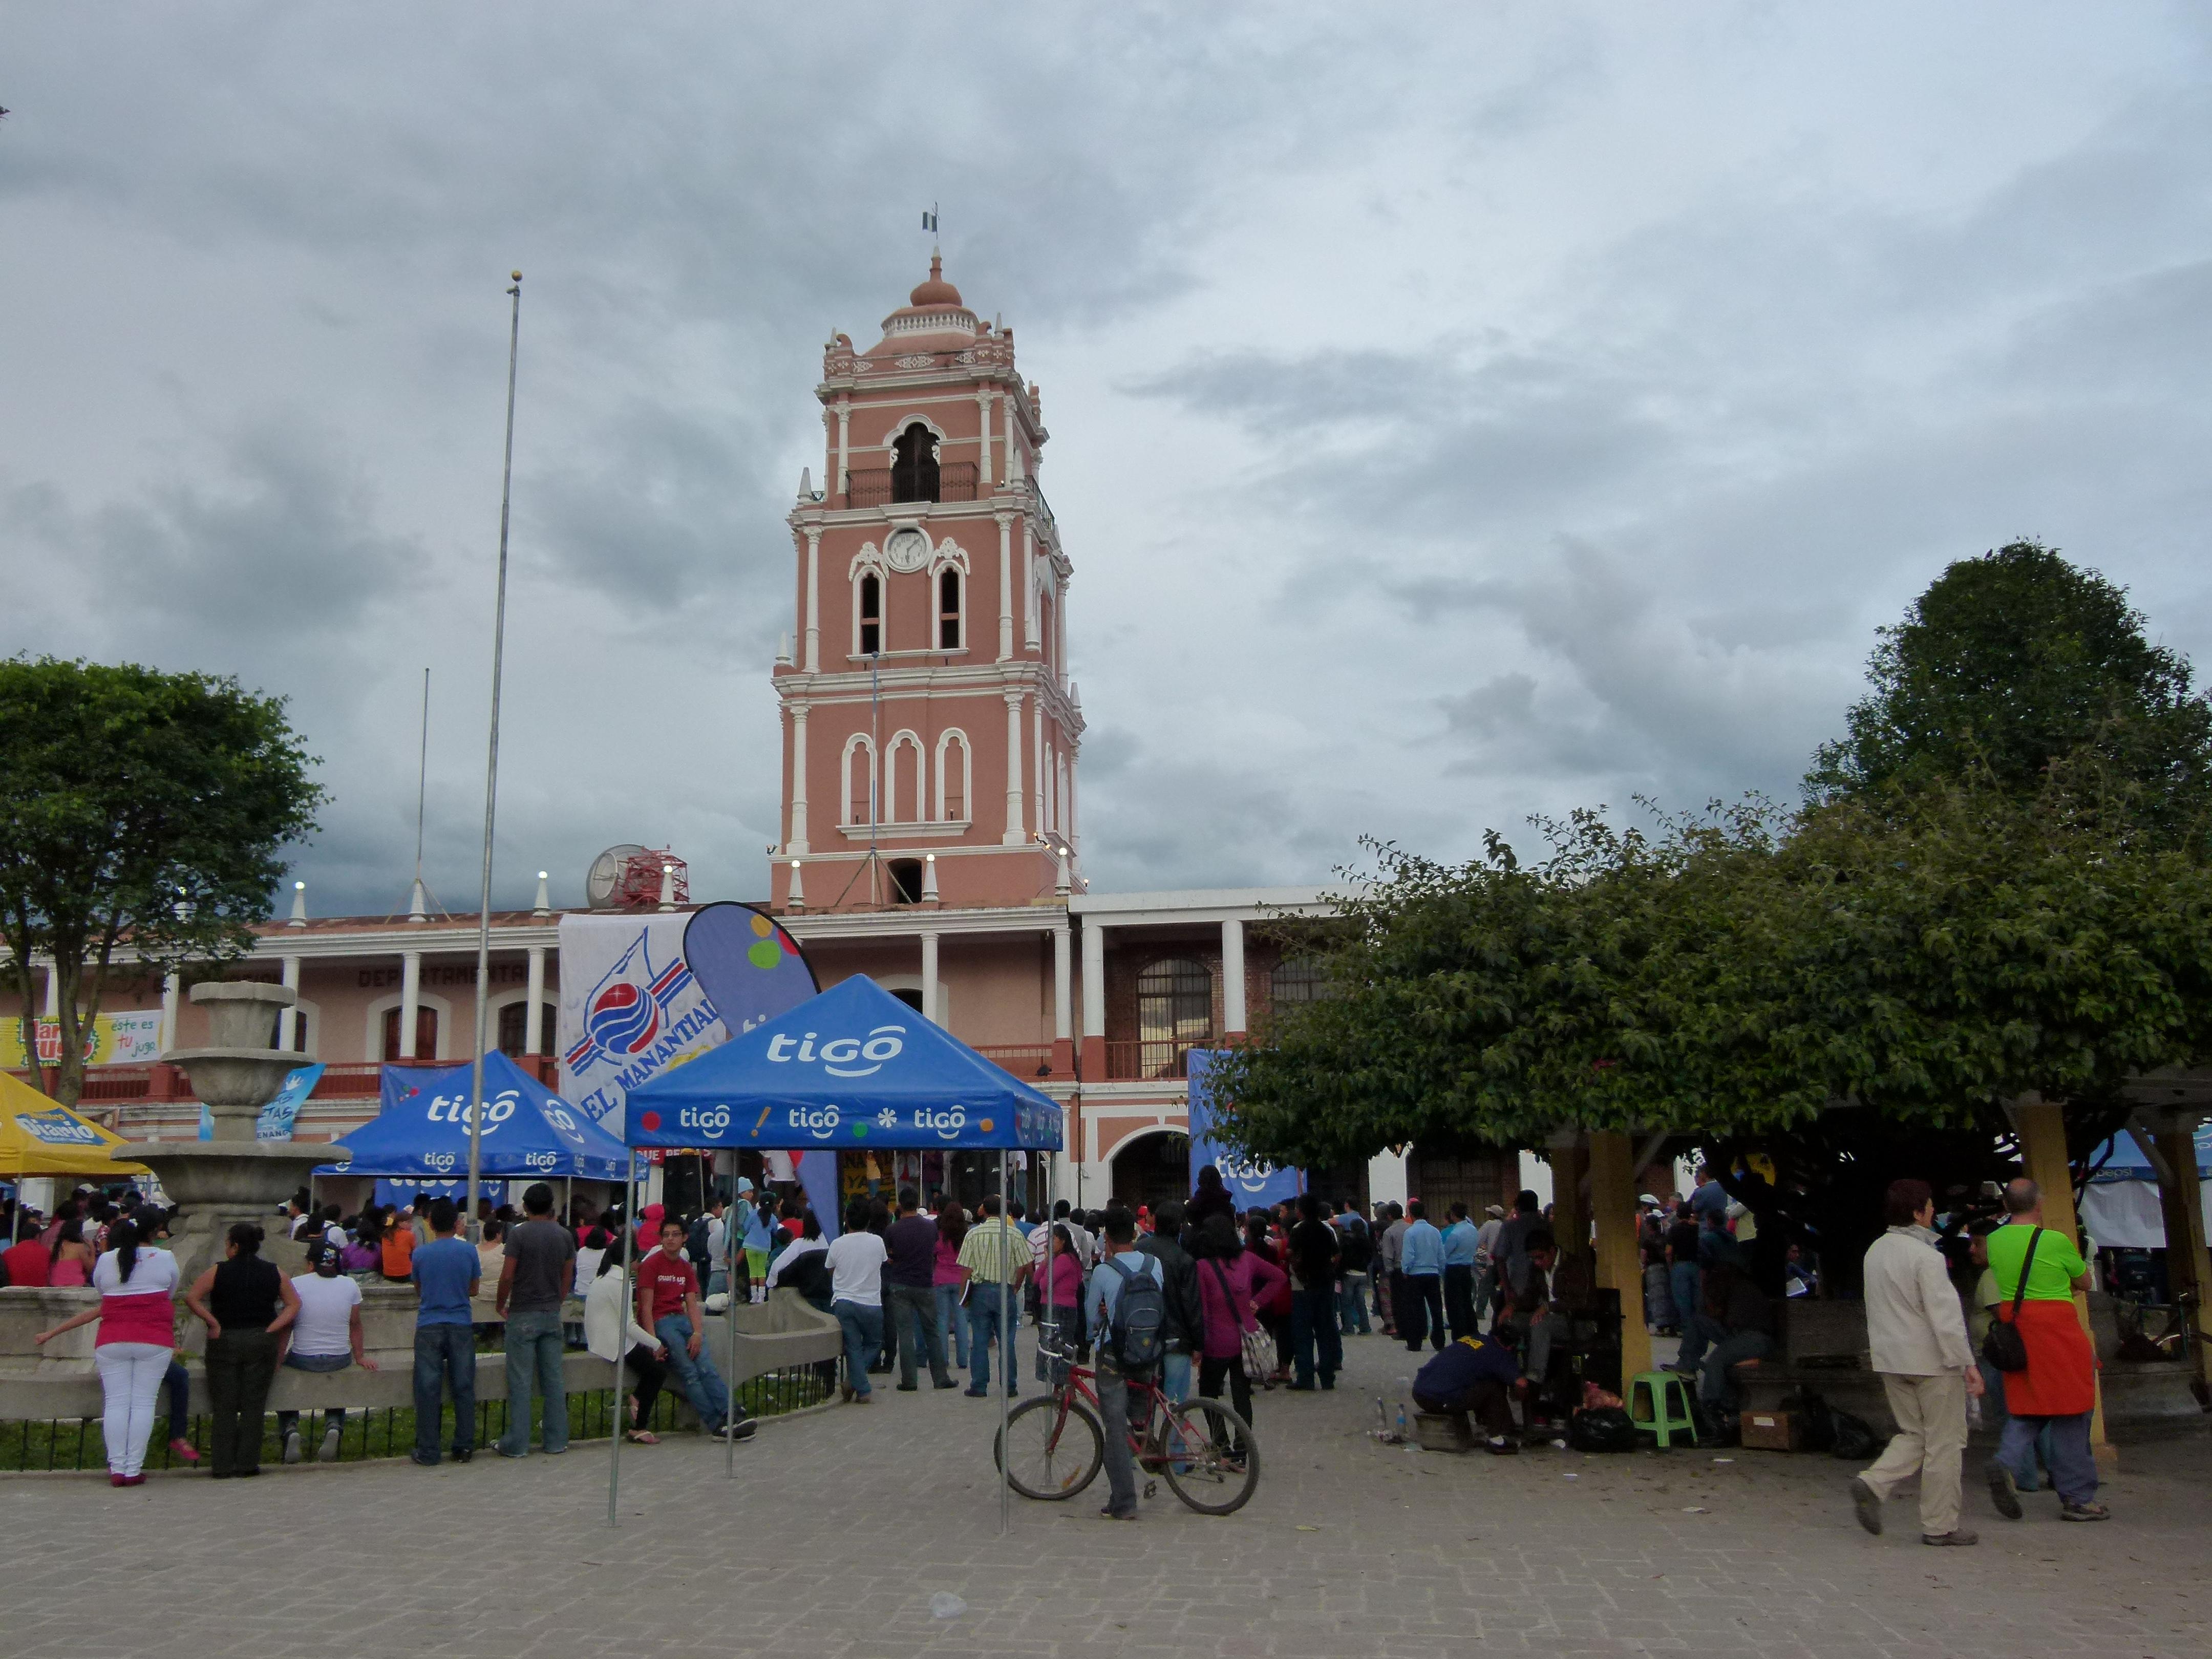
951	1317
1231	1282
1060	1293
73	1257
137	1316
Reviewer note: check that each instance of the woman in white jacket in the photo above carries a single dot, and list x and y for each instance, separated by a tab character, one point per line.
605	1323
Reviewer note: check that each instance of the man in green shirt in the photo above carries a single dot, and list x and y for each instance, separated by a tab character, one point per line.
2058	1389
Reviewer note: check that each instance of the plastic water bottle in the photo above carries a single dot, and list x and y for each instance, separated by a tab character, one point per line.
1402	1419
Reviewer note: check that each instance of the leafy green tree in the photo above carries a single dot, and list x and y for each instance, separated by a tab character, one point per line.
141	812
2012	662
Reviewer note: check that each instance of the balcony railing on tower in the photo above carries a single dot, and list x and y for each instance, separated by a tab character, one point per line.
873	486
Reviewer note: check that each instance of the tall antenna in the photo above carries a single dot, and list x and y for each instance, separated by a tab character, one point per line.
422	774
491	772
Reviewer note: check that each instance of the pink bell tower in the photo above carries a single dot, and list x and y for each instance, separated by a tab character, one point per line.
930	730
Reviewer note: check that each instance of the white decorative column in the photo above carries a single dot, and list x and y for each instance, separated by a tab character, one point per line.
1063	985
929	979
844	444
410	1000
813	601
1015	836
1232	978
983	444
1037	765
1029	585
796	899
798	841
172	994
1006	587
53	992
1094	1002
288	1019
1059	633
533	1018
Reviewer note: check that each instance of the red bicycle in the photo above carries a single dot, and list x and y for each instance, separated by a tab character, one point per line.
1207	1453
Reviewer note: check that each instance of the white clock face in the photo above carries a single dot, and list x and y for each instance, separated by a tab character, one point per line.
906	549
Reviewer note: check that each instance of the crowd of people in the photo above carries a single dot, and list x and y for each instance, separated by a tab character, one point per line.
1251	1299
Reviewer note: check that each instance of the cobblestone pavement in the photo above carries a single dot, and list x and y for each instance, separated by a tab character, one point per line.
841	1524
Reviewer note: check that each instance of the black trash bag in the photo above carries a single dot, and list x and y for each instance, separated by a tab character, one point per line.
1816	1423
1719	1425
1601	1428
1856	1440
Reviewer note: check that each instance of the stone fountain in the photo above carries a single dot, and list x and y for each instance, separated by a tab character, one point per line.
234	1176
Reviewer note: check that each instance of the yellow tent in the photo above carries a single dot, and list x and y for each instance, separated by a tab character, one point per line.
41	1136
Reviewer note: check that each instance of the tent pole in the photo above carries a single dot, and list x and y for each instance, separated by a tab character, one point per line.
621	1411
1005	1350
731	1247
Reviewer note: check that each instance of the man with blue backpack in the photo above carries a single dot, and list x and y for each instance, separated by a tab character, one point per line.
1127	1305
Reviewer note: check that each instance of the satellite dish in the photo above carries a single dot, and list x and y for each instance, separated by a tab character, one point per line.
607	873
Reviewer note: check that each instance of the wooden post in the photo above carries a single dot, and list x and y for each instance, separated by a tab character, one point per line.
1570	1215
2182	1198
2042	1126
1619	1263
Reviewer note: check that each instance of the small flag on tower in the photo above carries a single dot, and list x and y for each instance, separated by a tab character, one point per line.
929	220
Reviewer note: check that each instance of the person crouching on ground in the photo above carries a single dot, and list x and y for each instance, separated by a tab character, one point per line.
1472	1374
1917	1336
668	1301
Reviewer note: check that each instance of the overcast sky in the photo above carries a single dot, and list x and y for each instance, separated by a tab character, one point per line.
1458	412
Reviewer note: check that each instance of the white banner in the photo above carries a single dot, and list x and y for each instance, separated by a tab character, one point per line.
630	1008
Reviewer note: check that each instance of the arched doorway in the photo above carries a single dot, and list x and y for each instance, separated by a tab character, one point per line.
1150	1168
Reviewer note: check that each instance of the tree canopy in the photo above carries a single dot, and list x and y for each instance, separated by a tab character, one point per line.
2010	663
1967	909
139	810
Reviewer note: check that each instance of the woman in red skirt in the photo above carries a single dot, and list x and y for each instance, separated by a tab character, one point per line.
2059	1386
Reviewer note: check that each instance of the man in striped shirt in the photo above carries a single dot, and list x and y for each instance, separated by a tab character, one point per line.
995	1262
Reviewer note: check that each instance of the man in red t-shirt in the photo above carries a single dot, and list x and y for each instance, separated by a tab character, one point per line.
26	1262
668	1306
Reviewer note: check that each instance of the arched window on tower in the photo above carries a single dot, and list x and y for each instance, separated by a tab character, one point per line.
904	787
1175	1014
948	609
859	780
871	614
913	465
952	767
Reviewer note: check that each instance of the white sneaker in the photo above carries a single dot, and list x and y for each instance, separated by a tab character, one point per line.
329	1452
292	1446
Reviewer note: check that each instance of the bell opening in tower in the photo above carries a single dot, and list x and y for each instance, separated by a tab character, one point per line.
913	465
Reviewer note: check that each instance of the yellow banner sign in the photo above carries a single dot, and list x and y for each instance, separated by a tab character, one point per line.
126	1039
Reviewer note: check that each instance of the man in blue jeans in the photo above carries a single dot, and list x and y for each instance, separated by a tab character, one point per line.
995	1264
446	1272
856	1261
535	1278
1314	1342
668	1306
1121	1260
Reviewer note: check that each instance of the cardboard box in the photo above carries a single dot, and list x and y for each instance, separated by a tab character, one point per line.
1772	1431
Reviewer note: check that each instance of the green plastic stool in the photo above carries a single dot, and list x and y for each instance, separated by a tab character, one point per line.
1662	1392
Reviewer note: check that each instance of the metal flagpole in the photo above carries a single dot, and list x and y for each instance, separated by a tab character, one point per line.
491	772
621	1348
1005	1347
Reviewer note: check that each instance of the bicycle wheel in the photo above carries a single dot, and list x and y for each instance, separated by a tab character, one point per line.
1210	1456
1053	1456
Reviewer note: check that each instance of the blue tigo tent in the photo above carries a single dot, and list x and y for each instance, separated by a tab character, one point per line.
421	1129
852	1068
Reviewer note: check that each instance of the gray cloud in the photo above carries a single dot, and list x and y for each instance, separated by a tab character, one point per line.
1459	415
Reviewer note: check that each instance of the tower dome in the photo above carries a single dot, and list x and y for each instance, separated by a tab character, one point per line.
936	291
